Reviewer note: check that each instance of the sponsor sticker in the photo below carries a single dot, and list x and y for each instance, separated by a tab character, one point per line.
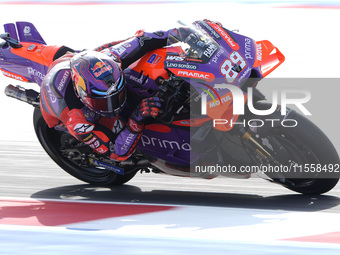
115	169
181	65
193	74
83	128
154	59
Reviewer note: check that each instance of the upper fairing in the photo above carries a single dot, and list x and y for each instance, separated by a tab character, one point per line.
226	57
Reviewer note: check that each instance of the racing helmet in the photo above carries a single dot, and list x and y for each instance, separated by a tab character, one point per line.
98	81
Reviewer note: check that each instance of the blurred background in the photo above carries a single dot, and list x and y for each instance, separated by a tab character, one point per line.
305	32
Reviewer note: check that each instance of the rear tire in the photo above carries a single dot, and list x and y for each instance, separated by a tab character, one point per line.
51	141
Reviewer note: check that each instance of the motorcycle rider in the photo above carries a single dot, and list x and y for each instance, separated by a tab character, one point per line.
85	92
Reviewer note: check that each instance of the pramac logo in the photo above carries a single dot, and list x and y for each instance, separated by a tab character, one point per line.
224	34
193	74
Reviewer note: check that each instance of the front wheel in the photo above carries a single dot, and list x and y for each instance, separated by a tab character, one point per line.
311	157
301	158
55	143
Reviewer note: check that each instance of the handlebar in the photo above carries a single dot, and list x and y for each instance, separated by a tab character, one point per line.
172	93
11	41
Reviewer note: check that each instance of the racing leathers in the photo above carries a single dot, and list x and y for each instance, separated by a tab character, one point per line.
115	137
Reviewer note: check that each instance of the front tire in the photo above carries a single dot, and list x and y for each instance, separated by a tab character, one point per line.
302	145
51	140
311	149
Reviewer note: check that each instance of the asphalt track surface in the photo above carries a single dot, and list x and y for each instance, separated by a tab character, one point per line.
27	172
219	216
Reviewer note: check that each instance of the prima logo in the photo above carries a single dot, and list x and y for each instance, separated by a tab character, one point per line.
35	72
166	144
247	46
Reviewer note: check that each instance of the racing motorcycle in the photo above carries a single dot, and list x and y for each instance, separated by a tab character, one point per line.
207	129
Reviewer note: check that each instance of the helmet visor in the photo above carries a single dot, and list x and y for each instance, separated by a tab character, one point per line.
108	104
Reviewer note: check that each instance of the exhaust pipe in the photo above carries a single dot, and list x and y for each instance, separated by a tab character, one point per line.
29	96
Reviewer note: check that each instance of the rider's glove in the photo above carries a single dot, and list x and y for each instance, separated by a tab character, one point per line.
149	107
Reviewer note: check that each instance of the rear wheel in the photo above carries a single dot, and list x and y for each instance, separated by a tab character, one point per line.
56	142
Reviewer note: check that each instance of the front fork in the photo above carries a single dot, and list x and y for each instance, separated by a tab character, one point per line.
264	157
256	133
249	139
